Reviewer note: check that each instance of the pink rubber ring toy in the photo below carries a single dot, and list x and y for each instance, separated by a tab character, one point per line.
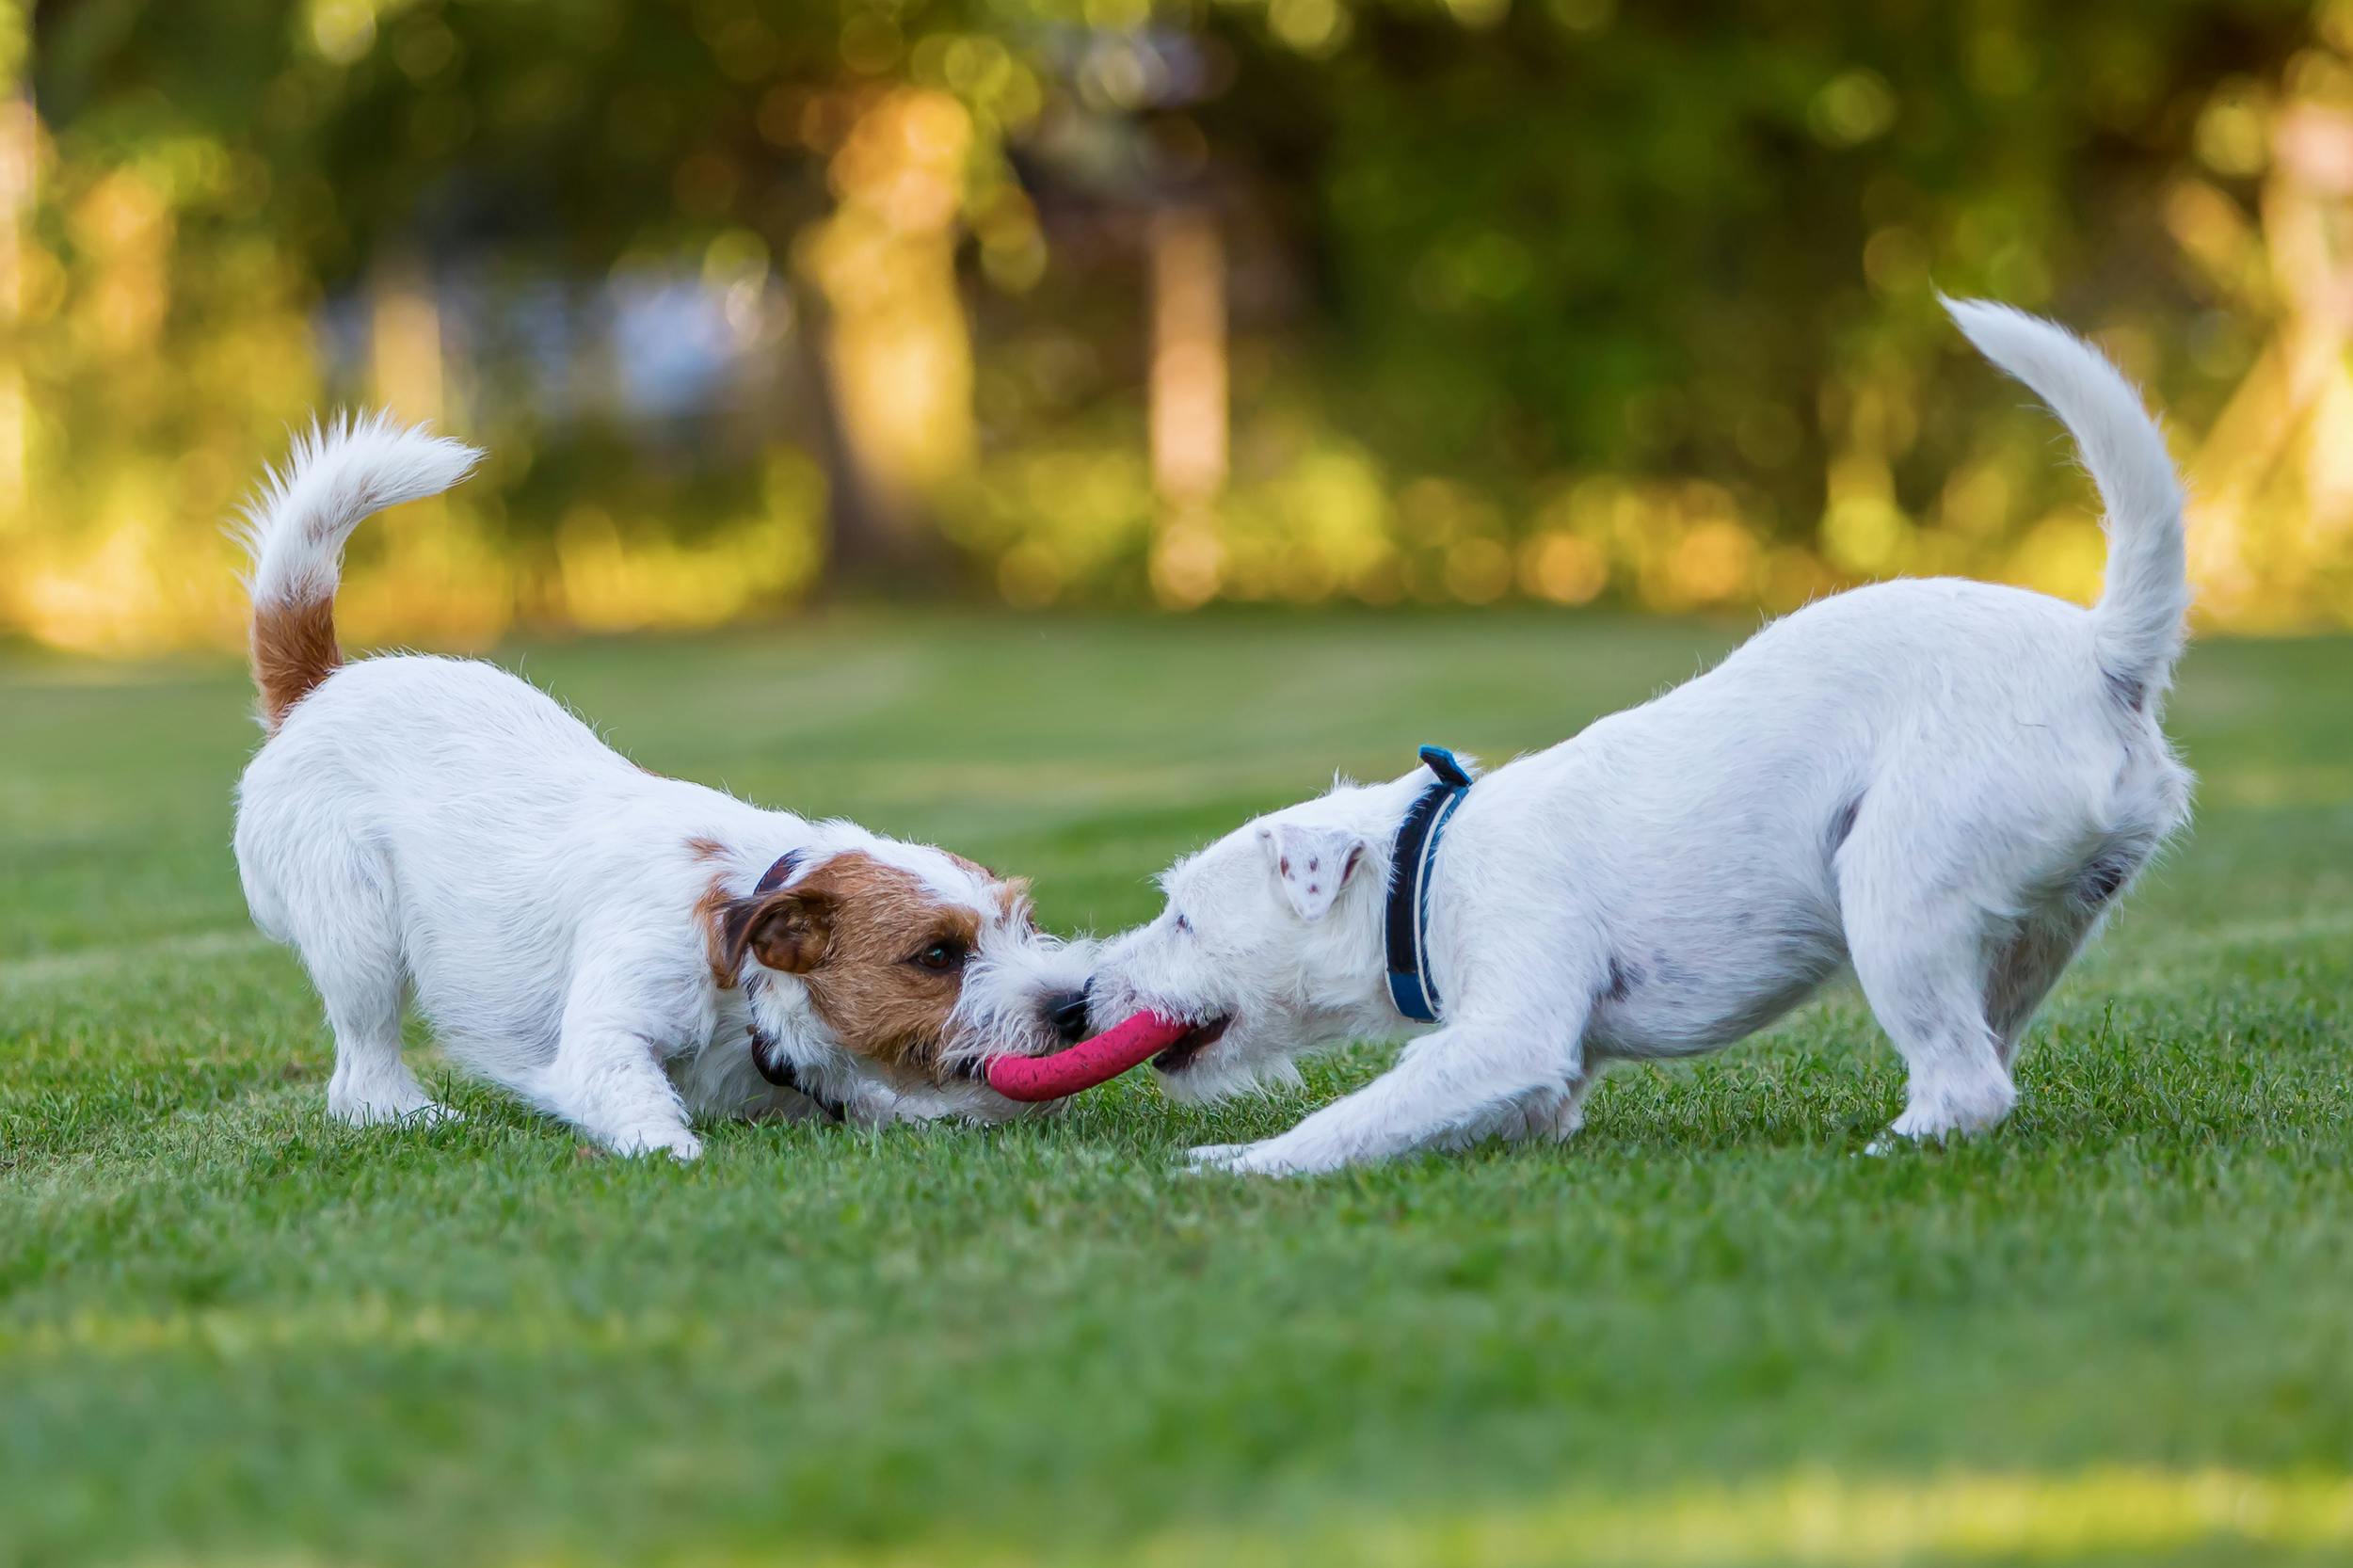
1086	1064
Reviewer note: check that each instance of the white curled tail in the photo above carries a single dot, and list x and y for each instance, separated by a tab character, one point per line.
337	476
2137	626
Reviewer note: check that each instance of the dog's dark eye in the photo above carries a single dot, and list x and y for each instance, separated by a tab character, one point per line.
1184	926
942	958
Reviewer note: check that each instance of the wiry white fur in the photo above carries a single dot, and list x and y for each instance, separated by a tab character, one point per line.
338	474
1945	784
438	828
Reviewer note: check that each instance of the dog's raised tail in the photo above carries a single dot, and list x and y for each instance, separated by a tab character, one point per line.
338	475
2136	627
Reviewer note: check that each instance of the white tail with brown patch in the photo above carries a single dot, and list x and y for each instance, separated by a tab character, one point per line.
336	477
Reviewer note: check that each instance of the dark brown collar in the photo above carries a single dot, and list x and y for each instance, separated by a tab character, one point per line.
776	1069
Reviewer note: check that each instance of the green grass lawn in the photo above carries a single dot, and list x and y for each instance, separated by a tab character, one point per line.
2118	1330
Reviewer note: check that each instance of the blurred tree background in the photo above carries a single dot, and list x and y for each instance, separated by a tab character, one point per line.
1156	302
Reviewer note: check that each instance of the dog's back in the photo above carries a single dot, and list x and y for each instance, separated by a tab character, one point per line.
478	811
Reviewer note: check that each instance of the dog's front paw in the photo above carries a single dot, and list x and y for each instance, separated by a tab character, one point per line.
1271	1157
679	1144
1547	1115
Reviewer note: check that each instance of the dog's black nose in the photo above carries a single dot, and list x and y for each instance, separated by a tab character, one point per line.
1067	1013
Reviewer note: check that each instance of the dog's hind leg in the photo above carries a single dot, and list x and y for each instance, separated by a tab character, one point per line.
350	942
1921	953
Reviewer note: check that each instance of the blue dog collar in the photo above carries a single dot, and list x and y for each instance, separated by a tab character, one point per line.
1408	917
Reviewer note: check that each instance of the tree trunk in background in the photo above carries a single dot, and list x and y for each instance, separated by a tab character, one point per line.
405	370
1188	357
439	577
1188	402
19	143
895	386
875	537
2271	485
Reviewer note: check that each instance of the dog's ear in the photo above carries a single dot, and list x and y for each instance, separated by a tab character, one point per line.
1311	864
787	931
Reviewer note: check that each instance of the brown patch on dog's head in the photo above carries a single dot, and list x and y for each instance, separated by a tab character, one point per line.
1013	893
882	954
294	650
1013	900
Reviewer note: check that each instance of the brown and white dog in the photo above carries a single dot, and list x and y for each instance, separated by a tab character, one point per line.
622	950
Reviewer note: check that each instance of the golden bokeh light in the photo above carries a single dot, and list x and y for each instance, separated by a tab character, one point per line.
1092	385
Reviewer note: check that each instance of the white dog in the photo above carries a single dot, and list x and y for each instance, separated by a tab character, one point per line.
1945	784
620	948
